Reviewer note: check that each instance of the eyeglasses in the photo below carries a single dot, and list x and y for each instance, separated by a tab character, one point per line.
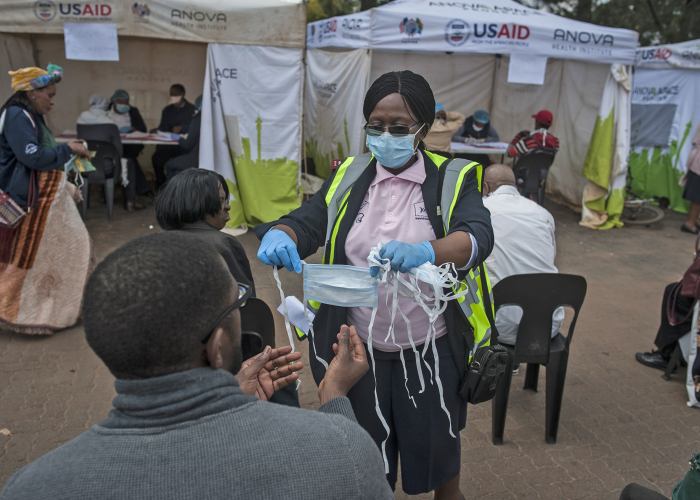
395	130
244	293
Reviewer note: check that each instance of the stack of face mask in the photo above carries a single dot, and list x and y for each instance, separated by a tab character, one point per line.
350	286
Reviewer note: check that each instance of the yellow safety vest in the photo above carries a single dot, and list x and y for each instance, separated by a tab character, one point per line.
471	304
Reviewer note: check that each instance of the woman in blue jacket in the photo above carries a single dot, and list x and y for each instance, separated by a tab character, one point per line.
45	259
26	143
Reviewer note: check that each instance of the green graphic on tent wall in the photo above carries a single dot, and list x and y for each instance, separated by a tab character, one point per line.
323	160
598	162
655	173
267	188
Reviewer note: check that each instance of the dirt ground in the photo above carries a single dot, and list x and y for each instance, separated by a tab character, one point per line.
620	421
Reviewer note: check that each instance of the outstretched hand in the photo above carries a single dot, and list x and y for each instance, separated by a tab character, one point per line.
347	367
269	372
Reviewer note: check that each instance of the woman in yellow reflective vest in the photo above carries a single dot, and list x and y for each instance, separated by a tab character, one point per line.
395	195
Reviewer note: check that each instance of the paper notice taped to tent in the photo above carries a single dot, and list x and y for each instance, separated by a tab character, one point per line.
527	68
91	41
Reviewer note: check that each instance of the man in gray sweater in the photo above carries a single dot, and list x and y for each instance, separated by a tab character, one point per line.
183	426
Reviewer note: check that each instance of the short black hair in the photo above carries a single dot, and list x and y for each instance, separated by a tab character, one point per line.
542	125
189	197
413	88
148	304
179	87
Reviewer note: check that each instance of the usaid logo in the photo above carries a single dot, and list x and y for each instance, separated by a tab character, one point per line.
45	10
457	32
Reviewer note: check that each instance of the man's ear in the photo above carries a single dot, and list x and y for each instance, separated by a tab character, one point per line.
213	349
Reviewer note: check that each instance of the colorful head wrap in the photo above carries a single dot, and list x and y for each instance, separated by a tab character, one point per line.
35	78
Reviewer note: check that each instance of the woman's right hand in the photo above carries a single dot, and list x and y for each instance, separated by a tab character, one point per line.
278	249
78	148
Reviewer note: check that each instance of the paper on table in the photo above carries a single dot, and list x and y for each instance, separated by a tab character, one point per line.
165	134
296	313
136	135
496	145
91	41
526	68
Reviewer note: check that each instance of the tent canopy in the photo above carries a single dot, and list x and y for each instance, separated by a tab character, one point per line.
493	27
685	55
244	22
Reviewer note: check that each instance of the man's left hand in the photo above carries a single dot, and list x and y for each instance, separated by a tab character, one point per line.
269	372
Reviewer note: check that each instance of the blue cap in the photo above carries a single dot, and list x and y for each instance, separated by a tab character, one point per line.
439	107
481	116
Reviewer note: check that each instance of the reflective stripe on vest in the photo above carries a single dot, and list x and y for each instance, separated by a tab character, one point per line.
336	202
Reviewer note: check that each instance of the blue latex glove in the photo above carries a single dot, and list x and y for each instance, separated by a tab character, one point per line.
278	249
404	256
174	137
125	130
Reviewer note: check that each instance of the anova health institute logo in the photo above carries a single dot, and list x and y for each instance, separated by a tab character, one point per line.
45	10
457	32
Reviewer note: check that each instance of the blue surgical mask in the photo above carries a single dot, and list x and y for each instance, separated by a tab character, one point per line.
123	108
391	151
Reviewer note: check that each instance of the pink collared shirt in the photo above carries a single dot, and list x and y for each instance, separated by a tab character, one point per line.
393	209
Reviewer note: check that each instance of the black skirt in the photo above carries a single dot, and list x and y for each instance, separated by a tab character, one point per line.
692	187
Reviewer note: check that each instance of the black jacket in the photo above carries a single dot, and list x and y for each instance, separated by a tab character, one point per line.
173	116
21	151
228	247
137	122
309	223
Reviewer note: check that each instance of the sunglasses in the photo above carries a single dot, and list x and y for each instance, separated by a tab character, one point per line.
395	130
244	293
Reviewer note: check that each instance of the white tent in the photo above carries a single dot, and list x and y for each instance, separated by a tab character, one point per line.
665	115
458	48
162	42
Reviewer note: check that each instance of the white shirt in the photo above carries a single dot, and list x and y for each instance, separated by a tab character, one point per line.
121	119
523	243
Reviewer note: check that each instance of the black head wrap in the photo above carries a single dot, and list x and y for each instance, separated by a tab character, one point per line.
414	89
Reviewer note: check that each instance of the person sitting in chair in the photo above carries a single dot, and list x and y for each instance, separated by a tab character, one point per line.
444	126
476	128
96	125
189	144
537	141
524	243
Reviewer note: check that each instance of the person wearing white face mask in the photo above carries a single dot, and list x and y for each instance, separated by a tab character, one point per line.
476	128
425	209
129	119
176	119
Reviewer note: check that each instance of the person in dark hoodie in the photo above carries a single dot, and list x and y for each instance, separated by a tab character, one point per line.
476	128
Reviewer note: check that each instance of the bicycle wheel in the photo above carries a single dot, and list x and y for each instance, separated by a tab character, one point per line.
642	215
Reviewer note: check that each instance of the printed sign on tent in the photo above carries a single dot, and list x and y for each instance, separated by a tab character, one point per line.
91	41
527	68
251	128
335	83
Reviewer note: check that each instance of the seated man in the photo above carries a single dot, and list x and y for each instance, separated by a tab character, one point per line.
129	119
183	425
445	125
176	119
476	128
190	144
668	335
523	243
96	125
537	141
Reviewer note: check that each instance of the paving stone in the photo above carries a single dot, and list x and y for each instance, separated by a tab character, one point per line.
620	421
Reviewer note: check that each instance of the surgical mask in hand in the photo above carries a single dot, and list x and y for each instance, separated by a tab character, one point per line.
392	151
123	108
339	285
175	99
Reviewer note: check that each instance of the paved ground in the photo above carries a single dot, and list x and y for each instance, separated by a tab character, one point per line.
620	422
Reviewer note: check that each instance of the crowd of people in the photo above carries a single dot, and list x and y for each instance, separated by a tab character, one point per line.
192	417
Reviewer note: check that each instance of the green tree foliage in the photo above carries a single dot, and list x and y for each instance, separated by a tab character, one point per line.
656	21
323	9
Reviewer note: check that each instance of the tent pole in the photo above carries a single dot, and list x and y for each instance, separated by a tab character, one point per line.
35	50
495	82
